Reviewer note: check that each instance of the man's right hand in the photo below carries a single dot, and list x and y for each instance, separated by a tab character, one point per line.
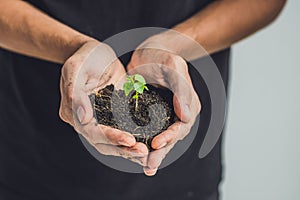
90	68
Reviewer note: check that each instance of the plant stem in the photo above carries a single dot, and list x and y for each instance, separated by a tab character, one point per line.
136	101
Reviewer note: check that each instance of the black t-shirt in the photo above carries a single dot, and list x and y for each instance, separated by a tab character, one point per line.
42	158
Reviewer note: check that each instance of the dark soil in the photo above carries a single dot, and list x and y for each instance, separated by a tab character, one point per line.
149	116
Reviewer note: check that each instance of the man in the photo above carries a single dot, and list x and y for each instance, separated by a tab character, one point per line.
42	158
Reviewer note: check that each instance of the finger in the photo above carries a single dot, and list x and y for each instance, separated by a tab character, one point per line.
65	111
181	107
81	72
150	172
180	83
100	134
66	114
138	153
155	159
74	101
114	74
139	160
138	150
82	107
167	137
171	71
118	137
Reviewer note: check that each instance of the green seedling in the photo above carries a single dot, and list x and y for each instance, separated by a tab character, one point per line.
135	83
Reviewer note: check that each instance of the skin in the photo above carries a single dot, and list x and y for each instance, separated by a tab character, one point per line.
171	71
84	73
26	30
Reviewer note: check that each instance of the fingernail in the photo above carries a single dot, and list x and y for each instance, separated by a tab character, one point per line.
123	143
161	145
80	113
150	172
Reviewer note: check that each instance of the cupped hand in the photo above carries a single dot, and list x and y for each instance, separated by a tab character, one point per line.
169	70
89	69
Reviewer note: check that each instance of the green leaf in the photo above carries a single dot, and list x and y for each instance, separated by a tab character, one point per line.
137	83
140	78
128	87
130	79
139	87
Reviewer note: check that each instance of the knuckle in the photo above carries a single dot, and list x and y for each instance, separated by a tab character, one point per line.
70	63
167	137
62	115
179	62
67	92
70	97
199	106
181	136
169	60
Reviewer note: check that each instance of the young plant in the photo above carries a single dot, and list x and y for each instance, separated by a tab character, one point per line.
136	83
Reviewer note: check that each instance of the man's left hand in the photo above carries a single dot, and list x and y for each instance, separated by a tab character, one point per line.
171	71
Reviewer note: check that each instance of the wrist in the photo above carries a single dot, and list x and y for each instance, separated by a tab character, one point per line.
177	43
77	42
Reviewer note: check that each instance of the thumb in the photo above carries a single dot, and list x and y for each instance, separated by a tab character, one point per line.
182	98
182	107
82	108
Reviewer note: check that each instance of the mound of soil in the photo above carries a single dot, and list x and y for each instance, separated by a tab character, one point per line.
144	118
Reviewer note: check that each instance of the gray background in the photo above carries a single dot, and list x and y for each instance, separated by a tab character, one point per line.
262	143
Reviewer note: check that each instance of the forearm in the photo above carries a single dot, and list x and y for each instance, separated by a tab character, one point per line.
26	30
218	26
